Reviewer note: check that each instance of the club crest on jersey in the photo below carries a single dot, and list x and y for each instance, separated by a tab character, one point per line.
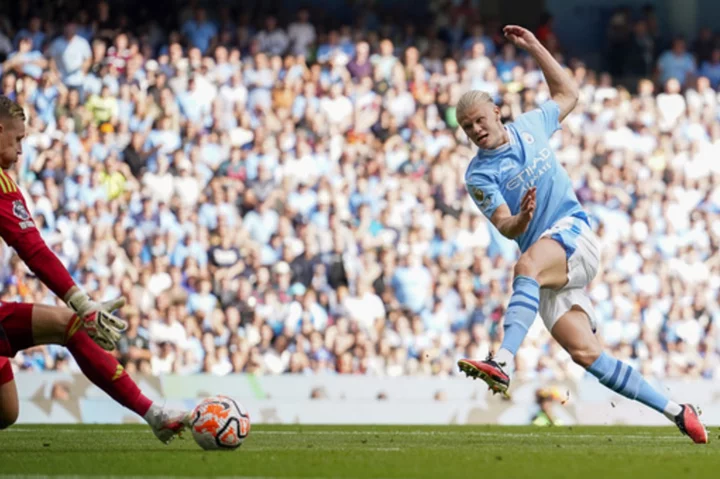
20	211
22	214
477	194
527	137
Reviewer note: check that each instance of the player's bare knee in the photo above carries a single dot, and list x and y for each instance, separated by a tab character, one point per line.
50	324
526	267
8	418
585	355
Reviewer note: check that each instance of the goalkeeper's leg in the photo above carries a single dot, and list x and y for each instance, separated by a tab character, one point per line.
574	333
9	405
29	325
54	325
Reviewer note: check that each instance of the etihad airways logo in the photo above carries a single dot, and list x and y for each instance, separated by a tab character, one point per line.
532	172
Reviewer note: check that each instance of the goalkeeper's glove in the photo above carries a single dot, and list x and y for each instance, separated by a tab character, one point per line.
101	324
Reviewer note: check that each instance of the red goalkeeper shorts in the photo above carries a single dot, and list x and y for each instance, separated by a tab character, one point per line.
6	372
15	328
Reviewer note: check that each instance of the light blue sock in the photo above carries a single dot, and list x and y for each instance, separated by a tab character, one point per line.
521	312
624	380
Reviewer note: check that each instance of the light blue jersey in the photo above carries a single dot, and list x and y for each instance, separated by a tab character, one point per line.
503	175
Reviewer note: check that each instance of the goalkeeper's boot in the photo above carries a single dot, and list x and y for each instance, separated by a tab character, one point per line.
688	421
166	424
489	371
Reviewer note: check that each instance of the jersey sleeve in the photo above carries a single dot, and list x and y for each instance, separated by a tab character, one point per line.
18	230
15	219
544	120
485	193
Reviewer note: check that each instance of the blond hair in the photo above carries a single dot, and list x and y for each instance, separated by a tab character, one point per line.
468	100
10	109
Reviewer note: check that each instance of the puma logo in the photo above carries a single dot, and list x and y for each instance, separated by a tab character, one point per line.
118	372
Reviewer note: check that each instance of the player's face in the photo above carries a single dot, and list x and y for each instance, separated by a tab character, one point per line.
12	133
482	125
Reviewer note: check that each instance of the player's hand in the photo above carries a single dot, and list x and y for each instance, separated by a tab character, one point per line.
527	208
104	328
521	37
81	303
111	324
112	305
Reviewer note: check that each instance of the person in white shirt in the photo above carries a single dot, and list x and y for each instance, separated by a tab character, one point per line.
223	365
160	184
478	63
301	34
235	93
337	107
187	186
365	307
671	105
72	56
168	329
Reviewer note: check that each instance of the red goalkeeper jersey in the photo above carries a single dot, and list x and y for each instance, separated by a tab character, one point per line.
18	230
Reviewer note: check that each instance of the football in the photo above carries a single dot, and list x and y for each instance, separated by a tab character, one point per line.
219	423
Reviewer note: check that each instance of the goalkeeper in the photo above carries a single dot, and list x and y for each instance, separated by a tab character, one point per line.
87	329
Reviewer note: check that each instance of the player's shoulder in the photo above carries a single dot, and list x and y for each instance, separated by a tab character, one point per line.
8	188
476	167
539	110
12	201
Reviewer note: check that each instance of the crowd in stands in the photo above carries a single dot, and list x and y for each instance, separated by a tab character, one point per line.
275	196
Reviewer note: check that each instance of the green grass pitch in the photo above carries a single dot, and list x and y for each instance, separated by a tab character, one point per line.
364	452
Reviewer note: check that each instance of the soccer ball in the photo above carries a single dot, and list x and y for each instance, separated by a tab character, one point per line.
219	423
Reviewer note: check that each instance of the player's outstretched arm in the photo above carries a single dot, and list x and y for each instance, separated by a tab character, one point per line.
513	226
563	88
18	230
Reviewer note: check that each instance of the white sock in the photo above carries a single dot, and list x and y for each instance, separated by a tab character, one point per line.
151	413
671	410
506	357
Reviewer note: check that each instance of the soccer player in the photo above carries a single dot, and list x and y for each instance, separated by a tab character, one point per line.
88	329
517	183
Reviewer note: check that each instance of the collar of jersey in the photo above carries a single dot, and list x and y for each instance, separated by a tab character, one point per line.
504	147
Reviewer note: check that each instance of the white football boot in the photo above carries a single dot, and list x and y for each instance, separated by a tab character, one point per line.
166	424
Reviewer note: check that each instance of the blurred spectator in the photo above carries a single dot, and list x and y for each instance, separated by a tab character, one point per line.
639	56
545	398
301	34
704	45
71	56
676	63
710	68
199	30
272	40
26	60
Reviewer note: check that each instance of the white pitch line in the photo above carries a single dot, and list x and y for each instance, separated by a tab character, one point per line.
74	431
568	435
322	448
